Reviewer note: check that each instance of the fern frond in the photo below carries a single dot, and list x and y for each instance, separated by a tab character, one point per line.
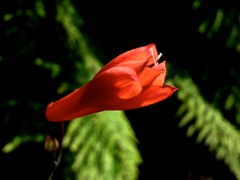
104	147
212	127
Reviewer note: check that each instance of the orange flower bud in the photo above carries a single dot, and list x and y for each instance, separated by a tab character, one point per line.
132	80
51	144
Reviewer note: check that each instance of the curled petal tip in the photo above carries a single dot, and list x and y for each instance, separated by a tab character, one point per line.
174	88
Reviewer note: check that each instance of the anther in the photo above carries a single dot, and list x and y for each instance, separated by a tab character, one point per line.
155	59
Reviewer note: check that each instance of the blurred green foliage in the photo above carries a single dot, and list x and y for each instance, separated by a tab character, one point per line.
209	123
102	145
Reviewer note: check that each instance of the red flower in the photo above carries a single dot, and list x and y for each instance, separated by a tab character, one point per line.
132	80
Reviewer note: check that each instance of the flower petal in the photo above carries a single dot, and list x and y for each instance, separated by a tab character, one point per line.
159	81
113	87
137	66
152	95
69	107
153	75
138	54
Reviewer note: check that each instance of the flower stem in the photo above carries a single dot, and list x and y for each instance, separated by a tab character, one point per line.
57	162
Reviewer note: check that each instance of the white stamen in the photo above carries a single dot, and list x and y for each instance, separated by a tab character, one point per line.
159	56
155	59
